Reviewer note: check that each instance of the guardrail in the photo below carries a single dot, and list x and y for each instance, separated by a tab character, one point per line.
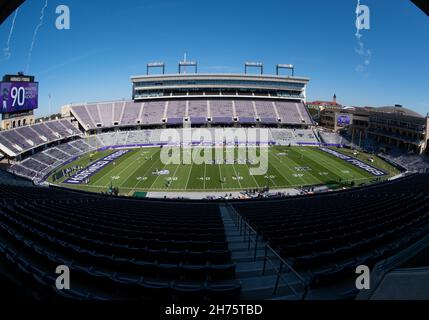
282	268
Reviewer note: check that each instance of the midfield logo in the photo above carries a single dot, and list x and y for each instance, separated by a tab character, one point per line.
204	146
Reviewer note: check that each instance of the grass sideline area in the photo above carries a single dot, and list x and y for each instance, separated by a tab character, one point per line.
288	167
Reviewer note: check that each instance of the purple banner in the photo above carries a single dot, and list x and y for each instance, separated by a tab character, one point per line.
83	175
18	96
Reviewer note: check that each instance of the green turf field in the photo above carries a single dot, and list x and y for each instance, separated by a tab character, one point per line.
288	167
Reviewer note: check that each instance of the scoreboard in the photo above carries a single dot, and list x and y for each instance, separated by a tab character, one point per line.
18	93
343	120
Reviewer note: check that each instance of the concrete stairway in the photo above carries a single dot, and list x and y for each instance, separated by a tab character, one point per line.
249	270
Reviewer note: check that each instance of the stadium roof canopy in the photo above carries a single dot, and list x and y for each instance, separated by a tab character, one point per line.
398	110
7	7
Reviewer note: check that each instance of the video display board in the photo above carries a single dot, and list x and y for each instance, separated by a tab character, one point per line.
18	96
343	120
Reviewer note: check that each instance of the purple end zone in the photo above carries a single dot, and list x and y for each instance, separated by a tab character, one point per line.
357	163
84	174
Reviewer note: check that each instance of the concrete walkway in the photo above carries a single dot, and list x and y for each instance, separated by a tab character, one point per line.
207	194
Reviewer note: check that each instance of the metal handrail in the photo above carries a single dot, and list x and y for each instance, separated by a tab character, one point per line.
247	230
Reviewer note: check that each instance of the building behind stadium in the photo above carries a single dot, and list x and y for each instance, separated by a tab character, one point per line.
391	126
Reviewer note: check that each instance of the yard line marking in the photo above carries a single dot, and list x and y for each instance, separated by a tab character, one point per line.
145	174
135	170
204	179
254	178
239	183
110	173
248	168
304	162
221	178
278	166
150	188
287	168
174	175
189	176
182	190
328	165
104	176
305	181
332	167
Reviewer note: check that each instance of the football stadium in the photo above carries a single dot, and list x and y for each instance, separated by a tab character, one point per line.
201	187
229	123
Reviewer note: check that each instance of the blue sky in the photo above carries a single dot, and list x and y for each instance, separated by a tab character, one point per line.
107	44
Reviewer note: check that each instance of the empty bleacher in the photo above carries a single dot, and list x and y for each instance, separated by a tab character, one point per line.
131	113
116	249
176	110
197	111
293	113
146	249
222	111
294	137
266	111
20	140
327	236
38	166
153	112
244	110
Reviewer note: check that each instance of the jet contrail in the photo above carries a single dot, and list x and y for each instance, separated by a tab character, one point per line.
6	51
39	25
366	54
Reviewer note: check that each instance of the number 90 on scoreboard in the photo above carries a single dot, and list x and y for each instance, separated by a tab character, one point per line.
18	96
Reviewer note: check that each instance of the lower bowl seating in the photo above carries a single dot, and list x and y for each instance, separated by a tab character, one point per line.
116	249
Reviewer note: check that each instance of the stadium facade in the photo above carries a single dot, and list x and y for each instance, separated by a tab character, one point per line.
400	127
200	100
390	127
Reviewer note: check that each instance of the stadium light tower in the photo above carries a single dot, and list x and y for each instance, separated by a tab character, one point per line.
259	65
183	64
285	66
155	65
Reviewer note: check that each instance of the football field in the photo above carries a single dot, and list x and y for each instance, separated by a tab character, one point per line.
142	170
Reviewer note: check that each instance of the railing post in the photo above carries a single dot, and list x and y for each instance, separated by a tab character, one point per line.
256	247
304	295
278	277
240	224
250	238
265	260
